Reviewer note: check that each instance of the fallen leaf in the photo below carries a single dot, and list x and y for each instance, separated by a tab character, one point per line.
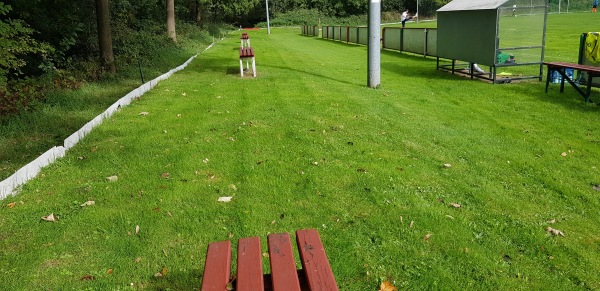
88	203
109	271
266	255
163	271
112	178
447	165
87	278
144	113
165	175
225	199
596	187
564	154
138	259
137	229
11	205
455	205
50	217
158	275
554	231
233	187
230	235
552	221
387	286
412	223
427	236
183	94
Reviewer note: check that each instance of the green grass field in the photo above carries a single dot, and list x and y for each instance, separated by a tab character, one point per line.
307	145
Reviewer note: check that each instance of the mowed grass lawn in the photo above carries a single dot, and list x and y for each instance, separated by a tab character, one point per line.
432	181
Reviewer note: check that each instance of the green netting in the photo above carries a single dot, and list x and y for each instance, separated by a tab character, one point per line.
363	35
391	38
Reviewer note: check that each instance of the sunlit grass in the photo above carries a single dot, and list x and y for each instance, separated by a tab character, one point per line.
307	145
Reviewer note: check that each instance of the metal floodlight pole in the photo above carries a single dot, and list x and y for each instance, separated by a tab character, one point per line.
374	50
268	24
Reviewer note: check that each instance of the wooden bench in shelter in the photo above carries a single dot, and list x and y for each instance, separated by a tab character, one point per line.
315	274
245	40
560	68
247	53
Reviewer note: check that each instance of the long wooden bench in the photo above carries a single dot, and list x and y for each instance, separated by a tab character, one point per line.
315	274
247	53
560	68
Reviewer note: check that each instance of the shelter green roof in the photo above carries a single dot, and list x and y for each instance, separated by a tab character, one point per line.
461	5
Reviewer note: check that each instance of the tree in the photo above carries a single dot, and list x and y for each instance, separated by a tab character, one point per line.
107	58
171	20
16	42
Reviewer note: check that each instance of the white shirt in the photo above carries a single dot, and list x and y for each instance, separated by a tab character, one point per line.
404	15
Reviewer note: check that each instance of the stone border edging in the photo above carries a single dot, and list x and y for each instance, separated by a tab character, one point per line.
10	185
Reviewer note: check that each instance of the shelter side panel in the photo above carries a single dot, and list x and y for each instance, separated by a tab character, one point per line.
467	35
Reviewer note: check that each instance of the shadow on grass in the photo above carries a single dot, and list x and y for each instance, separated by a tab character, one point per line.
178	280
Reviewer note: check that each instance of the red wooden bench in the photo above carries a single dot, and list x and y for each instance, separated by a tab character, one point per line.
315	274
247	53
245	40
560	68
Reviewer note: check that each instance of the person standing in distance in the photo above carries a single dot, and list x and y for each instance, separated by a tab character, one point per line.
594	6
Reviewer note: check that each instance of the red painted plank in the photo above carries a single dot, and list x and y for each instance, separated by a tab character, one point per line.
217	267
580	67
283	267
249	265
314	261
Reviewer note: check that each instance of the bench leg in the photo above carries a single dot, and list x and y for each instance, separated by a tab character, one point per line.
548	76
589	88
562	81
247	64
253	67
241	68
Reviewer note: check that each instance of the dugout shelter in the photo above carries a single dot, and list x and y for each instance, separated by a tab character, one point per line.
506	36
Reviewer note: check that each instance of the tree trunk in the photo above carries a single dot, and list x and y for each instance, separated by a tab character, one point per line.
107	58
171	20
197	13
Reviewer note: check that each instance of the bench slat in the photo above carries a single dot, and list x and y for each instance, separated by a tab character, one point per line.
217	269
246	52
314	261
586	68
249	265
283	267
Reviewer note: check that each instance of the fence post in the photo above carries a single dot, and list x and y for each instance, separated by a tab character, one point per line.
425	43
